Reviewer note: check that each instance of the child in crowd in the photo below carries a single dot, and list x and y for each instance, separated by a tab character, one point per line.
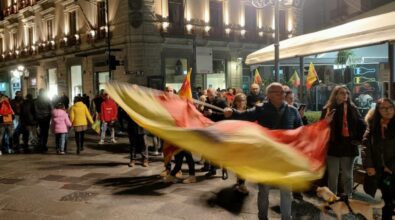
60	124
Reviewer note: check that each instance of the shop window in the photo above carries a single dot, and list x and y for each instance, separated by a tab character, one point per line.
76	81
217	79
175	71
102	79
52	83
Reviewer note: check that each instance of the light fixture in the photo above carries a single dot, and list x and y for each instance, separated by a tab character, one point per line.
92	33
189	27
77	37
260	33
227	30
243	32
65	39
165	25
207	28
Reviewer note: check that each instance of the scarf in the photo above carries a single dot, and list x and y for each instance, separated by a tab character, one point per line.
345	131
384	126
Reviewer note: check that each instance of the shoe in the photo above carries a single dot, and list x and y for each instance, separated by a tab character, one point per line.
145	163
179	174
190	179
113	141
131	163
101	142
241	188
211	173
0	152
165	173
204	169
62	153
169	179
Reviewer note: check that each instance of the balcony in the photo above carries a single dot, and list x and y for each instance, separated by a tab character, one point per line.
16	7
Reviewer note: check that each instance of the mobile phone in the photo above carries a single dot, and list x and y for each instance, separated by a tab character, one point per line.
302	106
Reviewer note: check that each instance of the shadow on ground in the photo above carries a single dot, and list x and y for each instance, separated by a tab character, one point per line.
228	199
111	148
81	165
302	209
144	185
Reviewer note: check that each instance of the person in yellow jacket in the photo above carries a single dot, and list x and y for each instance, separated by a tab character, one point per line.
79	117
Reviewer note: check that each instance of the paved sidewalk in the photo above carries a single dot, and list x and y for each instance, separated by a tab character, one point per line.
98	184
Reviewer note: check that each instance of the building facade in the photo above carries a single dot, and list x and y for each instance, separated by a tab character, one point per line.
61	45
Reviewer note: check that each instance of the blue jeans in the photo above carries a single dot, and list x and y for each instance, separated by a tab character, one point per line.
60	141
263	203
104	126
6	132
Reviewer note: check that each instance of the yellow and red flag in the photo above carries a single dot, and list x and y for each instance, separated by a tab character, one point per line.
312	76
257	77
185	92
294	81
287	158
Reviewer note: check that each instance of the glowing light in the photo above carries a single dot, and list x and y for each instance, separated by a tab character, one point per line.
65	39
227	30
165	25
189	27
33	48
207	28
92	33
52	42
243	32
77	36
20	68
260	33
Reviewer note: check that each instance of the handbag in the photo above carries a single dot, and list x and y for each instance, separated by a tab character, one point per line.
96	126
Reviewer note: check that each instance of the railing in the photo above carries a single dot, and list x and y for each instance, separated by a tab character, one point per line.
16	7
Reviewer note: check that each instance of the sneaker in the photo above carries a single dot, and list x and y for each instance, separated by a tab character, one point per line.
113	141
241	188
179	174
164	173
169	179
145	163
101	142
211	173
62	153
190	179
131	163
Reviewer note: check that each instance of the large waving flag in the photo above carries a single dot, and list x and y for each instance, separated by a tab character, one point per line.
312	76
185	92
257	77
288	158
294	80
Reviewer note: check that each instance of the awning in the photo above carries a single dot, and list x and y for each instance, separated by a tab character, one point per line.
363	32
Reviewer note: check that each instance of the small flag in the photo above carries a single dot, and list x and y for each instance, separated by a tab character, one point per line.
294	80
186	91
257	77
311	76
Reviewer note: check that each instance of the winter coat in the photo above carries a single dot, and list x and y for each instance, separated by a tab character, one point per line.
79	114
109	110
216	115
340	146
6	112
252	99
42	107
60	121
28	114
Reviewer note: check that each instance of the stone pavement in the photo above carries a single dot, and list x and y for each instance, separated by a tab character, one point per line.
98	184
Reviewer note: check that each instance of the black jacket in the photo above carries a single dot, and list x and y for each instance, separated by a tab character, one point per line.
252	99
28	113
338	145
216	115
42	108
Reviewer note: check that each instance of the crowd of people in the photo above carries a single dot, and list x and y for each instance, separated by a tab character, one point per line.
274	109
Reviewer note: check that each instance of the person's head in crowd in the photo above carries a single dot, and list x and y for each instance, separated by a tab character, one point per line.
211	94
29	96
169	90
240	101
238	90
275	94
254	88
230	91
77	99
289	97
339	95
18	94
106	96
385	109
59	105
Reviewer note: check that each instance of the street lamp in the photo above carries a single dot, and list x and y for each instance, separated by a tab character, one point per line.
262	4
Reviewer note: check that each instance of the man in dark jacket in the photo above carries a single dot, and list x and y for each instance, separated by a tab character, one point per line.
28	122
255	96
274	114
16	105
215	116
43	108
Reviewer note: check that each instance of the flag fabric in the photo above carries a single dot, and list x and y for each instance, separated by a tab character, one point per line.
312	76
286	158
257	77
185	92
294	80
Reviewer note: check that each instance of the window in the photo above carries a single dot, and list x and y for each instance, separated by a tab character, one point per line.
176	13
52	83
15	40
102	79
49	30
250	15
30	36
101	14
76	80
175	71
216	14
281	24
73	22
1	45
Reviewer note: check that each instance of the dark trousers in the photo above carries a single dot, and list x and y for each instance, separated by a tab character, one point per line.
179	159
43	124
387	187
79	140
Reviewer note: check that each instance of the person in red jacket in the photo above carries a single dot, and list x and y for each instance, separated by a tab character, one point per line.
108	116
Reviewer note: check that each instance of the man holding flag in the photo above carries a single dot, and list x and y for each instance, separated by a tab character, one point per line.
169	150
